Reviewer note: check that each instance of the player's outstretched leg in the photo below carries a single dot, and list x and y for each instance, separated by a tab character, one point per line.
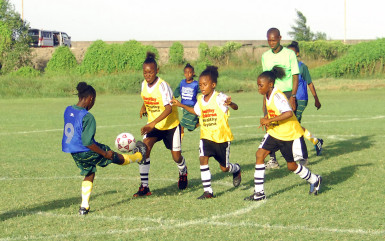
144	189
236	170
142	149
206	182
315	187
182	182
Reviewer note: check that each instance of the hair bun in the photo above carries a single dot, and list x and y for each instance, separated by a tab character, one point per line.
150	55
81	87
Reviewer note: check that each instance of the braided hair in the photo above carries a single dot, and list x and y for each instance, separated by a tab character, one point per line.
275	73
150	59
85	90
212	72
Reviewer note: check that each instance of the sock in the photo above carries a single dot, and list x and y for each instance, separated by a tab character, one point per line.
310	137
206	178
306	174
259	177
144	169
182	167
86	193
130	158
233	168
272	154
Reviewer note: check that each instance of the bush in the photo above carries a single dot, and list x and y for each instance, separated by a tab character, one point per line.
25	71
62	60
361	59
102	57
322	49
176	53
218	55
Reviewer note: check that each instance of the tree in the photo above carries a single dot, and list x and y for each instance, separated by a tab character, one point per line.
301	32
14	39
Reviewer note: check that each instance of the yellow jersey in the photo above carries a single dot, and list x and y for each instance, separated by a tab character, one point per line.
213	119
285	130
155	99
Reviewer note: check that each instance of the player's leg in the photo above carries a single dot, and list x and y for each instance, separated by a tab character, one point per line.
223	158
144	167
300	170
204	155
87	185
172	141
272	163
316	141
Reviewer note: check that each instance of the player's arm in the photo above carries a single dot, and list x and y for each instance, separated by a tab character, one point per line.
150	126
188	108
317	103
177	91
283	116
292	102
233	105
307	77
143	111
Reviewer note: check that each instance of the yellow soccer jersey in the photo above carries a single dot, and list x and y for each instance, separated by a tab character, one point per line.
155	98
285	130
213	118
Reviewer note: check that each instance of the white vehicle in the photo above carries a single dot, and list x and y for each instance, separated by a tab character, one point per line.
47	38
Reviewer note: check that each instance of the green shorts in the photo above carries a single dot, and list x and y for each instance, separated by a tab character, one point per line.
301	105
87	161
189	120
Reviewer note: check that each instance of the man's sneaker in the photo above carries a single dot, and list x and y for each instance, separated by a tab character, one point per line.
143	191
206	195
256	197
318	147
303	162
272	164
84	211
142	148
314	188
182	183
237	176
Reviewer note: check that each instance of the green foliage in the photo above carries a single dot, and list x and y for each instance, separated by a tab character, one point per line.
176	53
14	39
25	71
363	59
62	60
217	54
301	32
110	58
322	49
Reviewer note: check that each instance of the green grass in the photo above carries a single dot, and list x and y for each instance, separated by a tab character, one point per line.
40	185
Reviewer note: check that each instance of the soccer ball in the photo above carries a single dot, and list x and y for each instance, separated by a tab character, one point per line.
125	142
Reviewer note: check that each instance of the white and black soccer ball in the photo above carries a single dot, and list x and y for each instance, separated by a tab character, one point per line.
125	142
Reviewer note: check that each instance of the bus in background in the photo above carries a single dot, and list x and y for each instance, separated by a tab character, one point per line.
47	38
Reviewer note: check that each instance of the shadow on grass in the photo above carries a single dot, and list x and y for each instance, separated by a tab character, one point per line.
247	142
329	180
46	206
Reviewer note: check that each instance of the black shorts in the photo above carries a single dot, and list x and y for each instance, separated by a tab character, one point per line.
291	150
171	138
220	151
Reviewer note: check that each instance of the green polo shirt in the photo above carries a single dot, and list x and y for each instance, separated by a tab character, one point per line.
285	59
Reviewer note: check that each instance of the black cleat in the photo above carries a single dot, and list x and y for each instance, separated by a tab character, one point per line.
318	147
143	191
237	178
182	183
83	211
142	148
314	188
256	197
206	195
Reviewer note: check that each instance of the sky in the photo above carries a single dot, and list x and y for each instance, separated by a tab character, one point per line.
123	20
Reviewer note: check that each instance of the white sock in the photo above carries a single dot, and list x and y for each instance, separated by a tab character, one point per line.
182	166
233	168
306	174
259	177
144	169
206	178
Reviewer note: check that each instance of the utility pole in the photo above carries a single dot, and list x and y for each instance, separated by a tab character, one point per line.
22	10
345	21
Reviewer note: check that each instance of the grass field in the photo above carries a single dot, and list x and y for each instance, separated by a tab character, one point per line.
40	185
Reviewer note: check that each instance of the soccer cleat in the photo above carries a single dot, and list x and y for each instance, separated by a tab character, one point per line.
143	191
256	197
84	211
237	176
318	146
182	183
142	148
272	164
206	195
315	187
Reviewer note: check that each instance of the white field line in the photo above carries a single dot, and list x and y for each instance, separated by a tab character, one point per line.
164	224
236	127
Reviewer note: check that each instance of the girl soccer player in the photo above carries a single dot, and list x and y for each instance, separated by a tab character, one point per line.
78	139
213	111
284	133
304	80
163	123
188	89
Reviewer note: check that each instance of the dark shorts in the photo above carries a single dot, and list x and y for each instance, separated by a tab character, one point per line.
189	121
171	138
291	150
220	151
301	105
87	161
